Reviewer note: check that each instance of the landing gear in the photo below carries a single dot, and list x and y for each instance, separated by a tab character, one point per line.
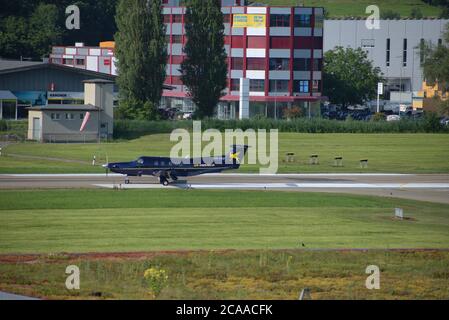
163	181
127	181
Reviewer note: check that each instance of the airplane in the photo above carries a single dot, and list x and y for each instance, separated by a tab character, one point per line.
165	170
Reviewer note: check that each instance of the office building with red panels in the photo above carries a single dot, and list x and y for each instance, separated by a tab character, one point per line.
282	59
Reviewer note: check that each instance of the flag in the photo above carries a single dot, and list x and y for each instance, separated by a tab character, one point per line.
86	119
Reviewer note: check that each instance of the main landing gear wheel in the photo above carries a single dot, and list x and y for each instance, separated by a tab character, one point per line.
163	181
127	181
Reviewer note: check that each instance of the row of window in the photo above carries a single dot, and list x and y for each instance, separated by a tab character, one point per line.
68	116
404	51
278	86
281	64
276	20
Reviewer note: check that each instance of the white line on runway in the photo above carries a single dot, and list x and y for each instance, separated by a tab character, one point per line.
95	175
265	186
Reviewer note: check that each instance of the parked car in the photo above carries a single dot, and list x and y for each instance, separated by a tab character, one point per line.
393	117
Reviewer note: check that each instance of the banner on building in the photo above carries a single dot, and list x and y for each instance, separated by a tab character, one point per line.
249	21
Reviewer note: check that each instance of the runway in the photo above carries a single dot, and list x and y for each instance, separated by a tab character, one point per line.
425	187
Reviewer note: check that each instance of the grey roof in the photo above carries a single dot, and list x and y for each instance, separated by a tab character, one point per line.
14	64
97	81
7	95
9	66
65	107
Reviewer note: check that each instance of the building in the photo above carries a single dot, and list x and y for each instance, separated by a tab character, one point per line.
97	59
25	84
281	57
62	123
394	48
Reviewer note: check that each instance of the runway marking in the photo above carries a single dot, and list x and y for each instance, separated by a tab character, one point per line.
93	175
265	186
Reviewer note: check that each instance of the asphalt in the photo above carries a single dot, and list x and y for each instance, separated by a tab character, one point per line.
425	187
8	296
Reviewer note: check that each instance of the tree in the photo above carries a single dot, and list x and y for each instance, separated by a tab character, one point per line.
436	62
43	29
349	77
13	37
204	70
141	52
389	15
416	13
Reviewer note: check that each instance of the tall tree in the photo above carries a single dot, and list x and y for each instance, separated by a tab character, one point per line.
436	62
204	69
141	51
349	76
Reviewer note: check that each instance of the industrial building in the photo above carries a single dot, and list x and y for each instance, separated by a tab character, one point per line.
64	123
394	48
25	84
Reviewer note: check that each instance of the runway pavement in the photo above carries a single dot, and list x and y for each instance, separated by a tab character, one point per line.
426	187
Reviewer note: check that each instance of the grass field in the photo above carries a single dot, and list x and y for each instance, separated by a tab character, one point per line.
397	153
142	220
261	274
356	8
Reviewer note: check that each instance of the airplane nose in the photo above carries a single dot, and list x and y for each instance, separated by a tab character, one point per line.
106	166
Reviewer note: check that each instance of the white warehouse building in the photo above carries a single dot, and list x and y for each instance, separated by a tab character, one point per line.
394	48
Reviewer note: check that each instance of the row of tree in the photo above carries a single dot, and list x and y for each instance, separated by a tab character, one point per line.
141	51
29	28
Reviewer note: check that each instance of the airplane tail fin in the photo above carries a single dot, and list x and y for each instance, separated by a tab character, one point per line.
237	153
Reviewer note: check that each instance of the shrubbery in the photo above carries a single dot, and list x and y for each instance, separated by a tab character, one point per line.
130	129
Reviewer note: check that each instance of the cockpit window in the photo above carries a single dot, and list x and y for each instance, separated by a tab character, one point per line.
140	162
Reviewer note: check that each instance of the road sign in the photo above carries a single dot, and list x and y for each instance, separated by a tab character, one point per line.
380	88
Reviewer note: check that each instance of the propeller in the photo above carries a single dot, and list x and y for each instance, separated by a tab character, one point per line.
106	165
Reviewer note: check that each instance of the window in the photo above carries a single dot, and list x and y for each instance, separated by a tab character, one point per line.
255	64
166	18
301	86
256	42
176	39
80	62
55	116
237	63
280	20
279	86
316	86
301	64
226	18
317	64
319	21
256	85
404	53
303	21
235	84
177	59
81	116
440	42
368	43
69	116
421	51
177	18
388	52
67	61
279	64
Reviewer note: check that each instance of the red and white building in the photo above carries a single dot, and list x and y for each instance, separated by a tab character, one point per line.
282	60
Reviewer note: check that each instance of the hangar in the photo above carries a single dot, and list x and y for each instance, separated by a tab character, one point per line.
25	84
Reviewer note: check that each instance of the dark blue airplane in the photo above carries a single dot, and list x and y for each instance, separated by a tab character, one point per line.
167	169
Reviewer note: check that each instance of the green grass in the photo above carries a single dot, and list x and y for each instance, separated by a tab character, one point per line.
261	274
356	8
143	220
394	153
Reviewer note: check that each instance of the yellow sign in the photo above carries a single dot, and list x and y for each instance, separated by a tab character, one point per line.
249	21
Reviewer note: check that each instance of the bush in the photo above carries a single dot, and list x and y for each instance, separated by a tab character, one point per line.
3	125
156	280
131	129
